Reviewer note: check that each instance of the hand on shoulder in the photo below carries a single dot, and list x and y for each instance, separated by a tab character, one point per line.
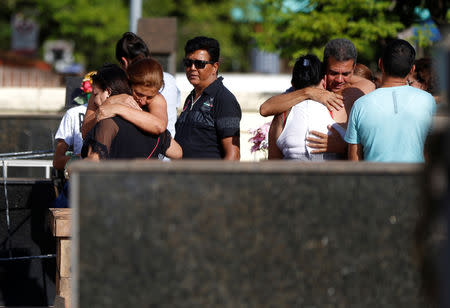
106	111
124	100
332	101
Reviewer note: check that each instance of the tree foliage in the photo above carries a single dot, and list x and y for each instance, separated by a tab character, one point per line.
95	25
364	22
207	18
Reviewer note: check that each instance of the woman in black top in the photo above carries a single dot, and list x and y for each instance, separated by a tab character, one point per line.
117	138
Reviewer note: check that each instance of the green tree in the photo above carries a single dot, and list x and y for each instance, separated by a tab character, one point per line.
207	18
158	8
294	32
94	26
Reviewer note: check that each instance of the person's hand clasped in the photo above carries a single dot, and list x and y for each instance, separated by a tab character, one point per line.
324	143
332	101
113	105
106	111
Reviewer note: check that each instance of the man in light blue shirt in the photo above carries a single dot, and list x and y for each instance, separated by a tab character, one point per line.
391	123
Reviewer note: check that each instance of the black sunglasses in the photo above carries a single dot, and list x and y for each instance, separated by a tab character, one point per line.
199	64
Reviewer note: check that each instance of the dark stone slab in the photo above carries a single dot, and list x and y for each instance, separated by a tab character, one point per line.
25	280
28	132
201	234
160	35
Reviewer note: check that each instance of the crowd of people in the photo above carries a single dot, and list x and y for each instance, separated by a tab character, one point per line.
132	112
379	120
335	109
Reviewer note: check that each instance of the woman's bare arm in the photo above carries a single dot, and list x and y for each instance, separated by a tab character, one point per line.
89	117
231	147
59	158
94	156
276	127
174	151
153	122
280	103
363	84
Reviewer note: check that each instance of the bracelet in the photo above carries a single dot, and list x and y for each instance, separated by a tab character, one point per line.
72	158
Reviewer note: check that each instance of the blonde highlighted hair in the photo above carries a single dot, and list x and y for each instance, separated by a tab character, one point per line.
146	72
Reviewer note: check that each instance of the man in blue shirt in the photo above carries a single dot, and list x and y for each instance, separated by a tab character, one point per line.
391	123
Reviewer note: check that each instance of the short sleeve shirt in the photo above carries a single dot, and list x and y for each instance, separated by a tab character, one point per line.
203	124
70	128
392	124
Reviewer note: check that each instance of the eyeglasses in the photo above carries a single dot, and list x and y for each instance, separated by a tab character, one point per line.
199	64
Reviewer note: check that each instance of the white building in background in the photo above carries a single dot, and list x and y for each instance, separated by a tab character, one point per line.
59	53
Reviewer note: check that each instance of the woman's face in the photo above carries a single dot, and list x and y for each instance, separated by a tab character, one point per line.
99	95
144	95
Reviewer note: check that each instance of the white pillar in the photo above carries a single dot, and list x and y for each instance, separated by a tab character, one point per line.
135	14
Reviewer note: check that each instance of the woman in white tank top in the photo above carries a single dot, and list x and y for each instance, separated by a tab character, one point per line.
288	131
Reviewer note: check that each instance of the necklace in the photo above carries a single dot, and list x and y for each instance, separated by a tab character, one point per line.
194	100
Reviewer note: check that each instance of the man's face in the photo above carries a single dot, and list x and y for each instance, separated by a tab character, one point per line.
338	74
201	77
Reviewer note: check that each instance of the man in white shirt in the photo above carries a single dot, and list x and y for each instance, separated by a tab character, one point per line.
68	136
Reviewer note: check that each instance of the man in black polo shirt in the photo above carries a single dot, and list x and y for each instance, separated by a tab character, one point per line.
208	126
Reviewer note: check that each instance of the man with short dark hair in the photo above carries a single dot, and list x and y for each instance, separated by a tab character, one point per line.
209	125
339	57
391	123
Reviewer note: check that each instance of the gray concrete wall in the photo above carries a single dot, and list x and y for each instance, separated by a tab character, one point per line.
284	234
26	132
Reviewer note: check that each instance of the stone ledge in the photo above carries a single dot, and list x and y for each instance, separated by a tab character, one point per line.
204	166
